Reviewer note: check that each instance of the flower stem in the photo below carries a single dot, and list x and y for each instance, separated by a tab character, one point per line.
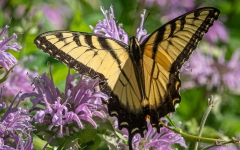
211	103
178	130
216	142
221	144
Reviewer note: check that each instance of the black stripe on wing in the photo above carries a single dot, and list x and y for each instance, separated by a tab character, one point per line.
211	15
42	43
187	51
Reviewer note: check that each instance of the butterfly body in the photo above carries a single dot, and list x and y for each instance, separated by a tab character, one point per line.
142	78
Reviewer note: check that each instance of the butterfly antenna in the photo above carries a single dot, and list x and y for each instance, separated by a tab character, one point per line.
146	19
9	21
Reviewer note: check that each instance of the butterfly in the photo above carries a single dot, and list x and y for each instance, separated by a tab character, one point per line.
142	78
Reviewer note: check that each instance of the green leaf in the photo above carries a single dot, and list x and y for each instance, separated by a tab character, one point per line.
87	134
103	125
95	144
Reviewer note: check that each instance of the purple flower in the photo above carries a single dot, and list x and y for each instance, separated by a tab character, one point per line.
54	15
15	127
142	33
217	32
170	8
108	27
18	81
6	59
187	4
57	15
2	4
205	70
153	140
59	110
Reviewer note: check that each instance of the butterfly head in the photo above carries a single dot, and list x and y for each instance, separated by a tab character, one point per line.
135	49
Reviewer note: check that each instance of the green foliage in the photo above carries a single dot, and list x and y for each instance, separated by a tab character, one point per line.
89	138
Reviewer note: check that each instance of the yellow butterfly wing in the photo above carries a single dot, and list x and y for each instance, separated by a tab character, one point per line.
164	53
106	58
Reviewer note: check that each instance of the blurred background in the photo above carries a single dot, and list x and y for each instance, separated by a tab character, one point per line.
214	68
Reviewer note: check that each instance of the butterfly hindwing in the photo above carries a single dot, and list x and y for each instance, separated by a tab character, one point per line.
164	53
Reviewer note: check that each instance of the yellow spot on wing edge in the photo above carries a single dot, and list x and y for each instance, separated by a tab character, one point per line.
114	113
37	41
124	124
175	102
133	130
177	85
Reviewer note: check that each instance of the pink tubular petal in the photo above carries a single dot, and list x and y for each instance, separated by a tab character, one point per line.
89	119
99	114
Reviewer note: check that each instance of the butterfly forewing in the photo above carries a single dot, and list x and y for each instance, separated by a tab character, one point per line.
164	53
93	56
173	42
83	53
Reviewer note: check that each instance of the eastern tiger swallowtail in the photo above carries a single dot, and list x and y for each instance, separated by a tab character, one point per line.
142	78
